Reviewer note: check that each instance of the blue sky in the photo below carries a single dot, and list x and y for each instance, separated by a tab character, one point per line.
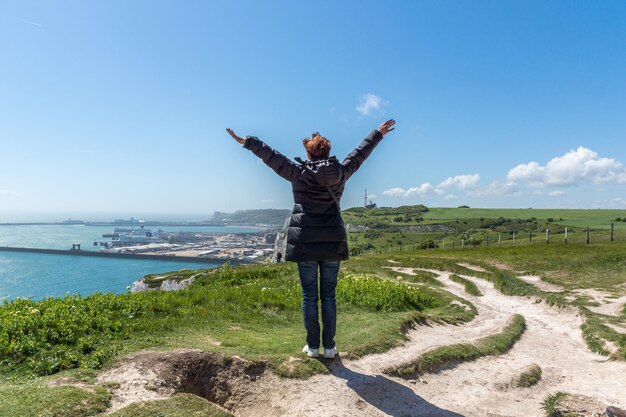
120	107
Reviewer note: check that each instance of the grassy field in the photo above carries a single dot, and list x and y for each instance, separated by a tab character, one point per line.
597	219
383	229
411	215
254	312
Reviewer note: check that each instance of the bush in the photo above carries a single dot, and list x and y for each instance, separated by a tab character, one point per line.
428	244
60	333
375	294
372	234
53	334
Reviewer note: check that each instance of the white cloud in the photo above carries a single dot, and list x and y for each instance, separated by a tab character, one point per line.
369	104
450	197
371	196
421	190
530	172
461	181
30	22
556	193
394	192
575	167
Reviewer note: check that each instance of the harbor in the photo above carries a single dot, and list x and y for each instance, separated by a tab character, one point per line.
44	260
239	247
123	255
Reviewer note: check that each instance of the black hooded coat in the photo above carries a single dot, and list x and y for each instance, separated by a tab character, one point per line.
316	229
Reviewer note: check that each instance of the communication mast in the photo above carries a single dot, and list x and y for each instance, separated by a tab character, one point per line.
368	204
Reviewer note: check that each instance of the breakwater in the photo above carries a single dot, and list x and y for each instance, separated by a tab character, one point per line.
79	252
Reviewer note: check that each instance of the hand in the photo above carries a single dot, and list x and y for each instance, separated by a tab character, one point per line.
237	138
386	127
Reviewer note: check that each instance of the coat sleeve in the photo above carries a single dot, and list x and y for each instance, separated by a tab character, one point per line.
282	165
354	160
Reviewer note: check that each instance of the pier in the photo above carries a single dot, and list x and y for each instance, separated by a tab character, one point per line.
80	252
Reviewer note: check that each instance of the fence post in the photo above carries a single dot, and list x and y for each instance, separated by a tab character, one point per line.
547	236
462	243
587	234
530	236
499	239
612	228
452	243
513	237
443	244
566	235
487	240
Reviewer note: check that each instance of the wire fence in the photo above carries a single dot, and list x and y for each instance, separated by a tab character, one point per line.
560	235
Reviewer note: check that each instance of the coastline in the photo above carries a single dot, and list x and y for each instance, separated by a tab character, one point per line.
66	252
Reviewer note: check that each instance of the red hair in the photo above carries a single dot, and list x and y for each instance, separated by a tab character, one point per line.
317	146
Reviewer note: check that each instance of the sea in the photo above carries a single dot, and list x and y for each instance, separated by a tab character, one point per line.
36	276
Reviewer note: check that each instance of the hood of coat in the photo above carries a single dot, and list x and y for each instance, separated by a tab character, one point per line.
325	172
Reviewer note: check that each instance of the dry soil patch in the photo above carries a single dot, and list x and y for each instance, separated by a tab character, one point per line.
541	284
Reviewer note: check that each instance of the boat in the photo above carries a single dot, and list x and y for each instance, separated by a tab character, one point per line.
135	236
70	221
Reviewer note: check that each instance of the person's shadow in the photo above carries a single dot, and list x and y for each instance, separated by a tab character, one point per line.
386	395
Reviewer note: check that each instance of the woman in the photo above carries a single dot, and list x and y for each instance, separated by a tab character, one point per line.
317	238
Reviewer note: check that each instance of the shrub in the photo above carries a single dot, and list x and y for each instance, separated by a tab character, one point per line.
428	244
529	377
375	294
60	333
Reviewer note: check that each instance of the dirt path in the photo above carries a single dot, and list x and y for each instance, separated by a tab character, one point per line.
541	284
552	340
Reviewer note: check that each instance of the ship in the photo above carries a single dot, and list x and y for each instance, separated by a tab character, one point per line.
70	221
135	236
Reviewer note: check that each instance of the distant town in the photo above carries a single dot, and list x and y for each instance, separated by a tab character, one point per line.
217	246
210	240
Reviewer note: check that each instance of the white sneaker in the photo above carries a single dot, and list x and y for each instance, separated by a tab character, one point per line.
330	353
311	353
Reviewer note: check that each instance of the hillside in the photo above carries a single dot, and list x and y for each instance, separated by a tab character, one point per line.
434	333
274	217
379	228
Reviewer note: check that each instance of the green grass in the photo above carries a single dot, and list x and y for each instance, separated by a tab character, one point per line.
250	311
446	356
35	398
552	403
469	286
529	377
180	405
254	312
412	226
420	277
597	219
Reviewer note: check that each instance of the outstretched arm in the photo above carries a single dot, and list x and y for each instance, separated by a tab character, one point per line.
282	165
354	160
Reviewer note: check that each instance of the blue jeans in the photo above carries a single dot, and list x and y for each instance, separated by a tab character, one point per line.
327	283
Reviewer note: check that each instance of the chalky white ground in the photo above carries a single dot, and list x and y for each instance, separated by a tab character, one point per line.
553	340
